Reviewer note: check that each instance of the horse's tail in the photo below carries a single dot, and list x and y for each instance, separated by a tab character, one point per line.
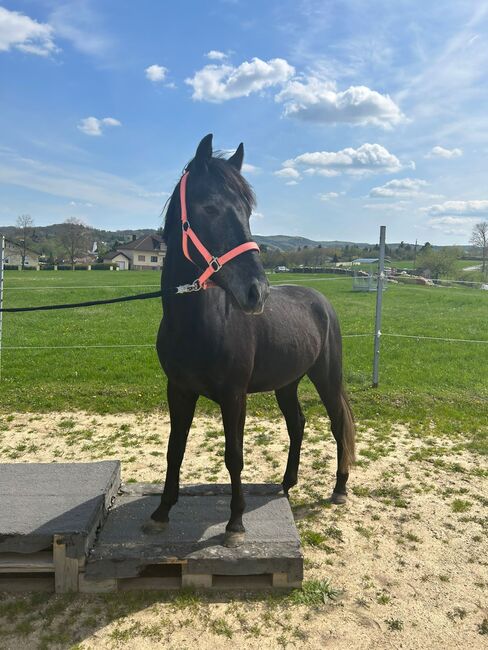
348	434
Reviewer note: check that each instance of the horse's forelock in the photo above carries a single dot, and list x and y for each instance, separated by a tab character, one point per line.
231	180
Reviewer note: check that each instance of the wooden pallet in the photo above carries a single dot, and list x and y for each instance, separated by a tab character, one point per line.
120	557
49	517
176	576
49	570
190	552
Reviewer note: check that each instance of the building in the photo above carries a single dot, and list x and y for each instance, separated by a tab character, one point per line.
13	255
117	259
144	254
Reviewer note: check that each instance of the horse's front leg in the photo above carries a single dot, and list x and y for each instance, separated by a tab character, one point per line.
181	409
233	409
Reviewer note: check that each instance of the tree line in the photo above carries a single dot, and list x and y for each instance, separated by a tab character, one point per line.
74	239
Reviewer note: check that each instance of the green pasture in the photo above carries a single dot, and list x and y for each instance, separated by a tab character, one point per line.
426	382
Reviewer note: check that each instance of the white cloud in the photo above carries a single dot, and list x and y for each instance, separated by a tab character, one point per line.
78	204
93	126
441	152
20	32
78	22
247	168
257	215
78	184
453	225
152	195
156	72
397	206
217	84
287	172
313	100
475	208
405	187
216	55
366	159
330	195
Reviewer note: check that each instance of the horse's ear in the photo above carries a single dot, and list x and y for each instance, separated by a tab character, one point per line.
236	159
204	151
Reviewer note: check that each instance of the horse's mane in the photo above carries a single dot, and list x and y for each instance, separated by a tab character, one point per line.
228	177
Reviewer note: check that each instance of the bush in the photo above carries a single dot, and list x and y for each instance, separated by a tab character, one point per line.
100	266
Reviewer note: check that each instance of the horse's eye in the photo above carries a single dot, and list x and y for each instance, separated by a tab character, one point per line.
211	210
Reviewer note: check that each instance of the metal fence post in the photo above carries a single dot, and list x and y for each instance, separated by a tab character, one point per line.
379	301
2	260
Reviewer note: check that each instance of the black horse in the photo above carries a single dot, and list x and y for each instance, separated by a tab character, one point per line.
240	336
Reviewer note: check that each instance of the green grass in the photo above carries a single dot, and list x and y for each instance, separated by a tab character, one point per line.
435	383
313	592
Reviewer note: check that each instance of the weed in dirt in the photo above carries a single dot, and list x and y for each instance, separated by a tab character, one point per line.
383	598
457	613
483	626
360	491
313	593
364	531
394	624
460	505
221	627
66	424
362	602
186	599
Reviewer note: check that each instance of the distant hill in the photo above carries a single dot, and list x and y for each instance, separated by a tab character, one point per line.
289	243
45	238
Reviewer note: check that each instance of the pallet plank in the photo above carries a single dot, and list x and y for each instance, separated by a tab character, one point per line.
65	568
41	562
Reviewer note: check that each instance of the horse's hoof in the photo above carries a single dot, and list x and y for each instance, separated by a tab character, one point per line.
153	527
232	539
337	498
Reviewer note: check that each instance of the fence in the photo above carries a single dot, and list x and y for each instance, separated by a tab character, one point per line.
376	335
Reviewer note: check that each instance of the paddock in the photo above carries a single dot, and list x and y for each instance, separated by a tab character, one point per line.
403	563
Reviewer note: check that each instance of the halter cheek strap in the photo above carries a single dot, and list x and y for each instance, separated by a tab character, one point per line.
214	263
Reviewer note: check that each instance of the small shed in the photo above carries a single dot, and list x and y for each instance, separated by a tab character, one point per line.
365	275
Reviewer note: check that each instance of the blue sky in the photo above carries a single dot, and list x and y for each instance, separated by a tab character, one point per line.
353	114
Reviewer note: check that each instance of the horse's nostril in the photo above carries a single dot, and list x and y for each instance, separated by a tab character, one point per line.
254	294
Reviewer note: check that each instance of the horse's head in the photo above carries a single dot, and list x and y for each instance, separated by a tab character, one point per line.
219	202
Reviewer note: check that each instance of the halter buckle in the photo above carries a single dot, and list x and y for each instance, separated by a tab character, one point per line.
215	264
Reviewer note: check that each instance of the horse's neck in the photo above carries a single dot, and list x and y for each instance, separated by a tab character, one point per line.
182	310
177	270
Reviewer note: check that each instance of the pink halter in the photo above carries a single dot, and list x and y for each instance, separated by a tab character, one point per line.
214	264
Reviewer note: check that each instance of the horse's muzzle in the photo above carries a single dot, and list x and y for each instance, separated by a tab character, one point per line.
256	297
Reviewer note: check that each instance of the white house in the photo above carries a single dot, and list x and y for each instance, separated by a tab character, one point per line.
13	255
144	254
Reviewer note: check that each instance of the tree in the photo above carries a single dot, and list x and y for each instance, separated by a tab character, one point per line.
441	262
25	224
74	238
479	238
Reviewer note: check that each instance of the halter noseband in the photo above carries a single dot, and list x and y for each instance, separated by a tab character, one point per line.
214	263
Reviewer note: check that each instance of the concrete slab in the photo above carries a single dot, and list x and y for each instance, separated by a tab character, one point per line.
195	534
40	500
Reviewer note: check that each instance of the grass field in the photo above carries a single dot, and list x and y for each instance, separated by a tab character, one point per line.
421	381
402	565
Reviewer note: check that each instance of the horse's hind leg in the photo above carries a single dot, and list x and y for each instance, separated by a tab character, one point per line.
233	408
287	399
181	409
327	379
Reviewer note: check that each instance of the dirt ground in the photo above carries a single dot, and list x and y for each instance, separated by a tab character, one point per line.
406	559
